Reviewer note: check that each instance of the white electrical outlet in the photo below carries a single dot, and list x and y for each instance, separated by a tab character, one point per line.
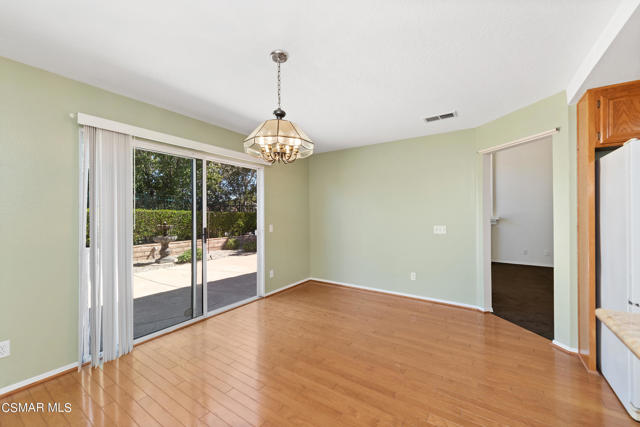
525	251
271	274
5	348
439	229
412	276
547	252
270	228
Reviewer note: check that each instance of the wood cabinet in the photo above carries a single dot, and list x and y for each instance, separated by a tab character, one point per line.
607	117
619	114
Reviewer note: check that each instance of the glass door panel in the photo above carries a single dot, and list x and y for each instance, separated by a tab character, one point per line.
198	300
164	241
231	260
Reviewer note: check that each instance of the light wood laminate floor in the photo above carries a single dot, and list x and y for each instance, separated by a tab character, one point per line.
325	355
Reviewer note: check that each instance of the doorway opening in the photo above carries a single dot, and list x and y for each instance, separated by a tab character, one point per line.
519	194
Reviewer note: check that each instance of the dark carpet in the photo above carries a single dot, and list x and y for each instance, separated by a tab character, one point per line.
523	295
155	312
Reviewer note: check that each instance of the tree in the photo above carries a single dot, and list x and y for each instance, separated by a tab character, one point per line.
163	181
231	188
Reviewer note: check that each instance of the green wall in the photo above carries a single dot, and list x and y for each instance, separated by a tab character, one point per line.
38	209
372	211
362	216
287	209
544	115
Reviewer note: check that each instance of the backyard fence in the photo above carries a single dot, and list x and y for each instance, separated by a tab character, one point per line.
183	202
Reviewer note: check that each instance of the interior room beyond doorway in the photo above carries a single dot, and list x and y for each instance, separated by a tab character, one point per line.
522	236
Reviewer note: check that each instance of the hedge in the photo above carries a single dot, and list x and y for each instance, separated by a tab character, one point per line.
222	224
219	224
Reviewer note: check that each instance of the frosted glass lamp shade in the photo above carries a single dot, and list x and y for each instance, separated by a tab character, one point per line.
278	140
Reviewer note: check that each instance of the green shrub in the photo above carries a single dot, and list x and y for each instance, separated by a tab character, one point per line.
249	246
231	244
186	256
147	221
222	224
219	224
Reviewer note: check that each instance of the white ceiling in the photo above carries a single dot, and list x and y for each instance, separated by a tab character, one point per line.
360	72
619	60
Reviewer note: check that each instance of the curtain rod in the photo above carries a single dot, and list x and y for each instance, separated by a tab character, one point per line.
138	132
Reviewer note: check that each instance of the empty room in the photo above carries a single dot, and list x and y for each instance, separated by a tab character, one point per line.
356	213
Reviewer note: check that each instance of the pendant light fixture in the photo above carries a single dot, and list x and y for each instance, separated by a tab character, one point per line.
278	140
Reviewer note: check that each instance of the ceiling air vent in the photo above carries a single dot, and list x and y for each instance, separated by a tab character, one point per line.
440	117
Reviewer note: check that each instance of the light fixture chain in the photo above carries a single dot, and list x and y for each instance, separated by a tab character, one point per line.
269	141
278	85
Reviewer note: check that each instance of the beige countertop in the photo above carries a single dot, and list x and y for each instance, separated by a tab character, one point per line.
625	325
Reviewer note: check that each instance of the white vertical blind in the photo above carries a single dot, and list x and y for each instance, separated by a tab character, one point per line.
83	264
111	233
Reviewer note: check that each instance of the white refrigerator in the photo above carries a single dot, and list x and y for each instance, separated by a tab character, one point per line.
619	265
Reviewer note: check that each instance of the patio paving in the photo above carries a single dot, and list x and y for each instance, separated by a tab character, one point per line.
162	294
155	278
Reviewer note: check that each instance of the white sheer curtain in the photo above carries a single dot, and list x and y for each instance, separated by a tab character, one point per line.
105	269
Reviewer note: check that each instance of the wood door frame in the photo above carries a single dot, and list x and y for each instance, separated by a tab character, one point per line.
586	200
589	128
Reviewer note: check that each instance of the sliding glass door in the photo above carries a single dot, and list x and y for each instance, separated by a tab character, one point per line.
232	258
195	222
167	288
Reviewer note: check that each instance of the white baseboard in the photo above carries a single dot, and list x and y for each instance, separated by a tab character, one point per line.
29	381
533	264
565	347
420	297
284	288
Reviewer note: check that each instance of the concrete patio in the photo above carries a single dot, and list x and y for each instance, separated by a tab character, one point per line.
162	294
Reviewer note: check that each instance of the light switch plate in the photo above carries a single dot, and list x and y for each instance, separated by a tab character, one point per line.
270	228
412	276
5	348
439	229
271	274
